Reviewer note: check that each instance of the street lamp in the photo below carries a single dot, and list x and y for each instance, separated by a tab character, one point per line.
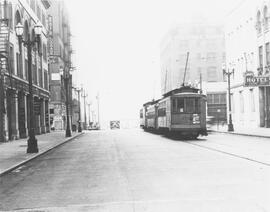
85	119
78	90
228	72
32	146
66	76
89	112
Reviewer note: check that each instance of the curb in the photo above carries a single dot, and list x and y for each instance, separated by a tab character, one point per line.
38	155
243	134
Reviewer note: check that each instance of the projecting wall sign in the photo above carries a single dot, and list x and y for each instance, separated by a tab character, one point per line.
253	81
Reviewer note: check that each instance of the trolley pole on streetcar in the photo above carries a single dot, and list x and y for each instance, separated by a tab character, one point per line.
229	72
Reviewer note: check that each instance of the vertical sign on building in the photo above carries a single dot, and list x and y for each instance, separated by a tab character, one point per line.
50	35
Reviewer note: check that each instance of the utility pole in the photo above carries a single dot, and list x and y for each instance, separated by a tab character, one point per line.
2	105
85	119
66	80
89	113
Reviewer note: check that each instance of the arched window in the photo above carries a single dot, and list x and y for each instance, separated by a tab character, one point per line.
258	22
265	17
17	18
10	15
26	30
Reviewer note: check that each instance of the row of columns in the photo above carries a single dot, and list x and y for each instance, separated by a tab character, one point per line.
16	116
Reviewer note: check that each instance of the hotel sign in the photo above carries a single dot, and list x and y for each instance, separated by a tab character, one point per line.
253	81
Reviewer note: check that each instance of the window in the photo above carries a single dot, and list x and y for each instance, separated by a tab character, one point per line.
241	97
40	74
267	52
19	65
211	74
26	68
261	56
183	43
10	16
258	24
232	103
38	12
265	18
180	105
222	98
141	113
211	56
186	105
210	98
11	57
251	98
43	20
33	5
190	106
44	51
45	79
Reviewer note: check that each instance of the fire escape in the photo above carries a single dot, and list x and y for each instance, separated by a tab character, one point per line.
4	62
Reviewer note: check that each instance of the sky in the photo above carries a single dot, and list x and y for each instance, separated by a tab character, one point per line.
116	45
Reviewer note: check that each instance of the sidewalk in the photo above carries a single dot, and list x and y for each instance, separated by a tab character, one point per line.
13	154
257	131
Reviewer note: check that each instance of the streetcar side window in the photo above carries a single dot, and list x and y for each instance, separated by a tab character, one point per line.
174	105
198	105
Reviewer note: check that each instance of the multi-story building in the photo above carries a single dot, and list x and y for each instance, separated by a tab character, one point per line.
14	95
60	63
242	57
206	48
262	26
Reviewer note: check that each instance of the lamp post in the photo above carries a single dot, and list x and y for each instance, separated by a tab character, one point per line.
89	112
32	146
85	119
78	90
228	72
66	77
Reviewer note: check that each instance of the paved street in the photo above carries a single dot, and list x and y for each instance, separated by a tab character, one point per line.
132	170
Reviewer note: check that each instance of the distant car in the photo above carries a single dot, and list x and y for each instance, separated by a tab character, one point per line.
115	125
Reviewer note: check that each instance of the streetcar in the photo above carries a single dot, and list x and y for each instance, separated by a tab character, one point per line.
180	112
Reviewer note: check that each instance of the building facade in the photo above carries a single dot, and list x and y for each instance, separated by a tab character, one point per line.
205	44
60	64
246	54
262	26
14	91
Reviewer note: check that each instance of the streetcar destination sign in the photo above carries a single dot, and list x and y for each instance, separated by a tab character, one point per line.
252	81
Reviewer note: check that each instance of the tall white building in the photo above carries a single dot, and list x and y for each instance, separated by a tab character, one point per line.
206	46
242	57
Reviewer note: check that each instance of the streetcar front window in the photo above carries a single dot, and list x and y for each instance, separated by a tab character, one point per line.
186	105
190	105
180	105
